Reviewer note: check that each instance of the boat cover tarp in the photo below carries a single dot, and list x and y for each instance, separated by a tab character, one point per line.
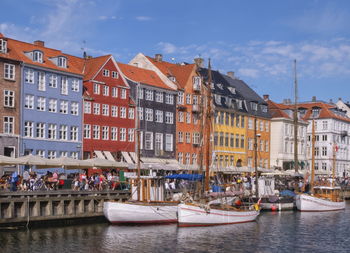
190	177
287	193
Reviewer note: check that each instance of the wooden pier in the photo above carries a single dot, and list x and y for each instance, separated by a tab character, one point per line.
28	208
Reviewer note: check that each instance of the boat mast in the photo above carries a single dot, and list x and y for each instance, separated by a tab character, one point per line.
256	159
138	142
208	129
334	163
312	157
295	118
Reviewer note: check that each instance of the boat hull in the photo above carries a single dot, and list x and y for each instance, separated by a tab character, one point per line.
138	213
195	215
277	206
310	203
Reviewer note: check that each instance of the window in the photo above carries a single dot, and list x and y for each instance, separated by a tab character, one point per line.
261	125
52	131
131	113
188	158
168	142
41	104
87	131
324	137
250	144
188	99
149	140
64	85
74	133
62	62
325	125
194	159
105	90
317	151
41	81
114	133
149	95
75	85
96	88
159	116
324	166
180	157
180	98
114	111
131	135
40	153
9	72
221	139
64	107
215	138
9	98
159	97
195	99
105	72
123	93
87	107
51	154
122	136
262	145
267	146
324	151
63	132
105	110
114	92
105	133
123	112
181	117
232	140
38	56
140	111
180	137
266	126
140	93
149	114
96	132
96	109
29	102
188	137
8	125
3	46
254	106
169	118
188	118
250	123
238	117
29	78
52	105
196	138
196	82
115	74
53	81
237	140
169	99
74	155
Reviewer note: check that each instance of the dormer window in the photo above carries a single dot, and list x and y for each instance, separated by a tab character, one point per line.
254	106
105	72
3	46
38	56
196	83
115	74
315	112
217	99
219	85
172	78
264	108
239	104
62	62
232	90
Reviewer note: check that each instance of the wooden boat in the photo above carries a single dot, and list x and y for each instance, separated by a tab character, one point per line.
202	212
321	198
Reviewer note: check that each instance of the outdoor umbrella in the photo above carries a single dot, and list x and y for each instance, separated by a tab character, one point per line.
6	160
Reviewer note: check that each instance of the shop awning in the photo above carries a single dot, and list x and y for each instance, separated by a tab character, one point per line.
99	154
127	157
109	156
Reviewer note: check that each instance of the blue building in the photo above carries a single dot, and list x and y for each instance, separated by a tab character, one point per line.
51	102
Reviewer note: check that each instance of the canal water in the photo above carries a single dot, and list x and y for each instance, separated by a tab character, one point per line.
290	231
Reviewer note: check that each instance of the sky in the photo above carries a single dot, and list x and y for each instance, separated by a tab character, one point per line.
257	39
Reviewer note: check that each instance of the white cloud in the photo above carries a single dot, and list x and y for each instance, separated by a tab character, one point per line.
248	72
143	18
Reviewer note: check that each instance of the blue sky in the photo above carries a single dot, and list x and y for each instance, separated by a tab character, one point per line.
258	40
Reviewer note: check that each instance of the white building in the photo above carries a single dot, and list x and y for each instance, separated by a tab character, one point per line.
282	137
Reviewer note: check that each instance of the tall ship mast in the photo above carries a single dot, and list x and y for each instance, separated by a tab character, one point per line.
295	118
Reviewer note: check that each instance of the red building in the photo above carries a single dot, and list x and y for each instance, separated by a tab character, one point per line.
109	112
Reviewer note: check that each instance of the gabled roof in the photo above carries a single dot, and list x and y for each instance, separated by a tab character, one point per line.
276	111
16	50
143	76
93	65
182	72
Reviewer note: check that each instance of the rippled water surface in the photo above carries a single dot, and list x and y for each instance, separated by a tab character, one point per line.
272	232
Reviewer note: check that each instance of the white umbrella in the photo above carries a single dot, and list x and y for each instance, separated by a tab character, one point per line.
34	160
6	160
71	163
98	162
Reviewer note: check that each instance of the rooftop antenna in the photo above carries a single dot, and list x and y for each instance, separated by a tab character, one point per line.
83	48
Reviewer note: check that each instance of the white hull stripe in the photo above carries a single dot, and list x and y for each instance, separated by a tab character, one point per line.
235	215
323	204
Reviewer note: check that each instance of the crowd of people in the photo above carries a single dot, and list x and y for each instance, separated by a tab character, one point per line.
31	181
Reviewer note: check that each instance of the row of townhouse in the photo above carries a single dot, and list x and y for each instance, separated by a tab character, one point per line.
55	104
332	126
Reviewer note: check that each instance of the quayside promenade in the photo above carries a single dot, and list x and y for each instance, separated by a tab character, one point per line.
60	206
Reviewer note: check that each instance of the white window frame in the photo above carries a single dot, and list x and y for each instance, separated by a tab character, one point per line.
123	93
159	116
41	104
96	89
52	105
149	95
115	74
63	134
52	131
169	99
96	132
9	98
38	56
75	85
131	114
122	134
41	81
123	112
159	97
53	80
74	108
105	90
148	140
105	110
169	118
74	131
29	76
29	102
131	135
87	131
114	133
105	133
169	142
114	111
87	107
9	125
96	108
64	85
105	72
148	114
9	71
115	92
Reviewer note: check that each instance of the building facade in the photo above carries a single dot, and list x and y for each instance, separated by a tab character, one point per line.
156	103
109	111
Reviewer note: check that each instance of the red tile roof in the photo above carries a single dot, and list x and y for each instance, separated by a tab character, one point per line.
181	72
16	50
93	65
141	75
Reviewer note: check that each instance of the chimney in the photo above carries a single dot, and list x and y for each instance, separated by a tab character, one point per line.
231	74
339	99
331	101
313	99
84	55
158	57
199	62
285	101
39	43
266	97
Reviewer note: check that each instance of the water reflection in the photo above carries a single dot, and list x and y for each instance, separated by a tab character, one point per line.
272	232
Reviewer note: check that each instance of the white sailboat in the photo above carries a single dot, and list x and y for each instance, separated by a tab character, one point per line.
322	198
148	206
204	213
